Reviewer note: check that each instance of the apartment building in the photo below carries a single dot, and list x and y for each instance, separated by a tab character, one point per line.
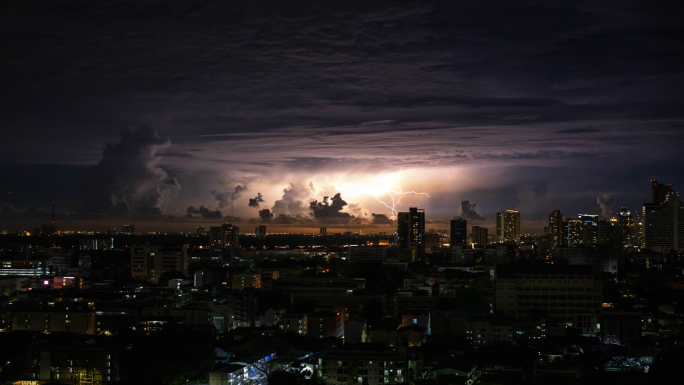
569	292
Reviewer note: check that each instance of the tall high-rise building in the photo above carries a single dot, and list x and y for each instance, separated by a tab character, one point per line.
508	226
411	228
150	261
200	230
626	223
129	229
589	228
663	221
555	229
260	231
225	236
480	235
323	230
659	191
459	231
573	235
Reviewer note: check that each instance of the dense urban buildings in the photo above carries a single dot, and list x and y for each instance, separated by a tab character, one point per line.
353	308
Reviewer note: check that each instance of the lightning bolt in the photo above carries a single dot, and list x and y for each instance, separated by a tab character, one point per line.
397	201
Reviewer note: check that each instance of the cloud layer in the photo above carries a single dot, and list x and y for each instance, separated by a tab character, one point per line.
533	105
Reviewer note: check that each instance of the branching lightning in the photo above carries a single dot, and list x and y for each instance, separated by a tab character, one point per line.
397	201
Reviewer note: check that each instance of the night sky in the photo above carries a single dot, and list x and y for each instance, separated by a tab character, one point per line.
172	114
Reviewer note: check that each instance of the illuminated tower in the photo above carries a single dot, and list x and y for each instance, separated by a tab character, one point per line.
589	228
508	226
574	228
555	229
626	223
459	231
411	229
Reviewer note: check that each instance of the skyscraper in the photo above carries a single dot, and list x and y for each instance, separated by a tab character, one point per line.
574	228
508	226
200	230
589	228
411	228
459	231
663	221
260	231
129	229
480	235
626	223
225	236
555	229
659	191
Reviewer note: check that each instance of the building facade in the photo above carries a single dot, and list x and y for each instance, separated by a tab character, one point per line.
559	291
480	235
459	231
411	229
508	226
150	261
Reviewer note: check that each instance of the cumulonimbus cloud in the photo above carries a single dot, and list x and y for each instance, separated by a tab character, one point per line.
128	180
227	197
469	211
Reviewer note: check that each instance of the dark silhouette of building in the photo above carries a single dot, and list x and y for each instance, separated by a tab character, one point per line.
411	229
459	231
663	219
480	235
659	191
260	231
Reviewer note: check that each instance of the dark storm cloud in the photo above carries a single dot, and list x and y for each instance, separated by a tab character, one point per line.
469	211
203	213
266	215
606	201
268	87
128	180
254	202
381	219
225	198
579	130
10	213
330	209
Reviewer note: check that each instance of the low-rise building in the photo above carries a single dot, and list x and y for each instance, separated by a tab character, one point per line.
293	323
55	320
71	362
324	324
559	291
371	367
